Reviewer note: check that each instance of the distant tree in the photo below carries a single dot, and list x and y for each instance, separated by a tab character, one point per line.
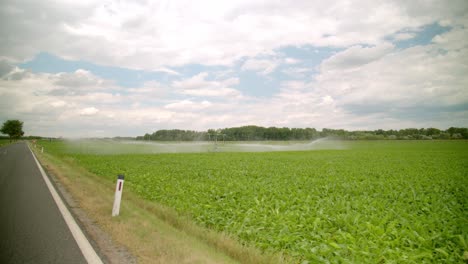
444	135
458	130
379	132
13	128
432	131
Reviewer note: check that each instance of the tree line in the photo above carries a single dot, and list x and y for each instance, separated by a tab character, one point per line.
14	129
257	133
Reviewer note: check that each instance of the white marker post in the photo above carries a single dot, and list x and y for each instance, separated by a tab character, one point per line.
118	195
42	150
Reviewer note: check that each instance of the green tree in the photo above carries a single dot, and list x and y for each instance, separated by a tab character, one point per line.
13	128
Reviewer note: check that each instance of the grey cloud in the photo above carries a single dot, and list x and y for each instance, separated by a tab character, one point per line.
77	83
431	9
19	75
66	92
77	79
5	68
417	85
356	56
415	111
441	116
155	37
29	27
10	72
133	23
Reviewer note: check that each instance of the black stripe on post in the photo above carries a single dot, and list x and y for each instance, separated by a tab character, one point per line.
120	177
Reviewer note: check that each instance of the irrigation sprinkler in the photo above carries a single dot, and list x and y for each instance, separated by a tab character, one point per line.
118	195
215	139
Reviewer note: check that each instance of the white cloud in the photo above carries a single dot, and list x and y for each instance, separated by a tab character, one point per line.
291	61
454	40
150	90
167	70
263	66
89	111
133	111
194	82
79	78
197	85
358	88
370	83
212	92
298	72
79	83
355	56
188	105
58	103
327	100
151	35
421	82
404	35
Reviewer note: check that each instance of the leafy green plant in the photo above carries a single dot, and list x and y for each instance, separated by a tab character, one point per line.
372	202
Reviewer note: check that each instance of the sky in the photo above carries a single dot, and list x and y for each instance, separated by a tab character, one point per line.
126	68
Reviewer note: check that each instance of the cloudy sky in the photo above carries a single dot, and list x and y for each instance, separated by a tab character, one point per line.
108	68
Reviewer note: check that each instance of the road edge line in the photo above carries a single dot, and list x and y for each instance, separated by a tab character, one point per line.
85	246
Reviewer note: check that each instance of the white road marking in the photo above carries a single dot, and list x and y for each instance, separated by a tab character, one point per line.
88	251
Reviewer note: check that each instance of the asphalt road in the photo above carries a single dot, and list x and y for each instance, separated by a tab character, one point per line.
32	229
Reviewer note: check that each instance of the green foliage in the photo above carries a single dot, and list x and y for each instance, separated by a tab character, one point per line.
256	133
175	135
13	128
373	202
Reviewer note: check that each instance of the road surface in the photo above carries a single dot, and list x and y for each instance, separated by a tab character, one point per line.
32	229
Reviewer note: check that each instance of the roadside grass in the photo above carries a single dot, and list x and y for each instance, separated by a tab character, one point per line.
4	142
153	233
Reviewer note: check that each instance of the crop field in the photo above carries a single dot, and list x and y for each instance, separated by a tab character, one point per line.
350	202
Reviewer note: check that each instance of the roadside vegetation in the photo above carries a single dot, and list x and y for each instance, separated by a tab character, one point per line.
4	142
370	202
152	232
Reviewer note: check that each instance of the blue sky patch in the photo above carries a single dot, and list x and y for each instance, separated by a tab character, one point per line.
310	55
194	69
48	63
422	37
254	84
251	83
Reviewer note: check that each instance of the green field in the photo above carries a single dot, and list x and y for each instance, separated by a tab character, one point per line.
350	202
4	142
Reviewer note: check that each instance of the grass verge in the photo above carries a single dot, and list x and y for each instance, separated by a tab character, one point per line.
4	142
151	232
